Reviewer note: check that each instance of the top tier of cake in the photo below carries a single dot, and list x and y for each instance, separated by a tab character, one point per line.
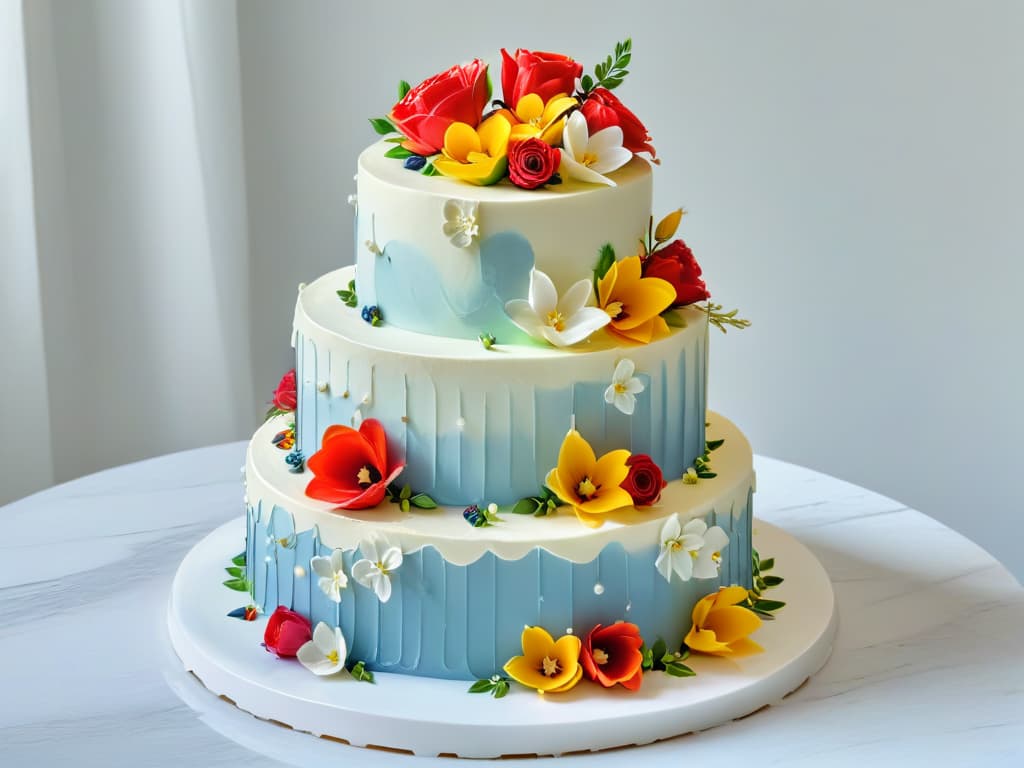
413	264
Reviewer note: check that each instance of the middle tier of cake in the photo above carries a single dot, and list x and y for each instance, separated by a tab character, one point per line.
477	425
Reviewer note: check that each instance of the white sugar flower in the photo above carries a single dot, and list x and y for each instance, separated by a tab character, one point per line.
624	388
460	222
374	570
709	558
332	576
325	654
562	322
587	157
693	551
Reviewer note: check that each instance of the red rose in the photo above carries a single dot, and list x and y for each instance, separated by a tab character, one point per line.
424	114
284	395
351	468
602	109
644	481
532	162
286	632
611	655
546	74
675	263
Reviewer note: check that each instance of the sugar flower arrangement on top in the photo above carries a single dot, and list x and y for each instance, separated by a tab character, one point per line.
551	123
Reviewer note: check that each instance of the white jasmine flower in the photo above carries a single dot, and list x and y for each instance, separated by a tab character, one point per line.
561	322
374	570
332	576
624	388
460	223
586	157
325	654
691	551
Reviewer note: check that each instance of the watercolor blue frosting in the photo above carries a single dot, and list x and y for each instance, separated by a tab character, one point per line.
464	621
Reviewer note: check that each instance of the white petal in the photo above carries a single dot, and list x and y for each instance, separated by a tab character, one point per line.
462	239
326	585
583	324
521	313
625	402
611	160
609	394
664	564
682	564
382	586
605	139
670	530
392	559
322	567
624	370
452	211
716	539
323	638
704	567
337	560
369	547
543	296
575	135
574	170
310	655
575	298
692	542
363	571
634	386
696	526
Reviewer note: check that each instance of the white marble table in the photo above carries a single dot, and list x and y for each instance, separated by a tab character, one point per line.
928	667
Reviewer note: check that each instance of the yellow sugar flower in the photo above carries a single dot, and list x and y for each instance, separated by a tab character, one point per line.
547	665
532	117
591	485
721	626
477	155
635	303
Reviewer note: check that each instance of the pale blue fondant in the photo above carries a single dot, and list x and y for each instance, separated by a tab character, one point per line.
413	295
464	621
511	433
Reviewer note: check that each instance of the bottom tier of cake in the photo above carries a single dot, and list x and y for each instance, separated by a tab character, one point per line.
456	605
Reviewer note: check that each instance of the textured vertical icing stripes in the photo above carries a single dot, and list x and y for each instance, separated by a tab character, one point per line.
464	621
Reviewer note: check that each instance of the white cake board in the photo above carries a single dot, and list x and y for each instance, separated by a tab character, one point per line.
425	716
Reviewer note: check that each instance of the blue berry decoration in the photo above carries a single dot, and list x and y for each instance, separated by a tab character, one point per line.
474	516
372	315
415	162
296	462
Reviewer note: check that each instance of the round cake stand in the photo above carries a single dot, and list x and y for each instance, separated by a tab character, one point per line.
425	716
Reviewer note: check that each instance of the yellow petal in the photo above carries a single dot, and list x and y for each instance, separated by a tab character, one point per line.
643	298
745	646
668	226
554	482
610	470
526	672
571	683
588	519
483	173
630	269
731	595
459	140
659	328
731	622
607	500
530	107
522	131
567	651
556	106
494	133
702	641
552	134
701	609
537	644
606	285
576	460
641	334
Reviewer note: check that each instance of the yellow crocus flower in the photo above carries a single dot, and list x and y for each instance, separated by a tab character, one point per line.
476	155
592	486
635	303
532	117
547	665
721	626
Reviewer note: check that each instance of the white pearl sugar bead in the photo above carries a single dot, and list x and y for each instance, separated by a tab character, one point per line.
460	423
322	386
599	589
299	571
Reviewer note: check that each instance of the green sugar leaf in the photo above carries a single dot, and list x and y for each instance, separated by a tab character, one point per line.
403	88
714	445
767	564
361	673
235	571
422	501
481	686
239	559
679	670
239	585
398	153
382	125
772	581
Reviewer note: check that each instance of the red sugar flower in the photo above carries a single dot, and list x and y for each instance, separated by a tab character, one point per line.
284	396
612	655
286	632
351	468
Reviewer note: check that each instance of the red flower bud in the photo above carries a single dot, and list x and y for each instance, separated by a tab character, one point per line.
286	632
644	481
284	396
532	163
546	74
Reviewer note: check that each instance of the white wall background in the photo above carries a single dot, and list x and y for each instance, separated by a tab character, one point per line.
853	173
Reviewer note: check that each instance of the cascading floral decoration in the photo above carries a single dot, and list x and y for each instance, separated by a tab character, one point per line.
552	122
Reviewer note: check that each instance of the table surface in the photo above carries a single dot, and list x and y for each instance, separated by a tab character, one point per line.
928	666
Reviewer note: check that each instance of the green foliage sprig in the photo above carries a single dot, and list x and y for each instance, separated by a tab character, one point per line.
349	296
540	505
496	685
361	673
659	659
721	319
405	498
755	602
236	571
612	71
